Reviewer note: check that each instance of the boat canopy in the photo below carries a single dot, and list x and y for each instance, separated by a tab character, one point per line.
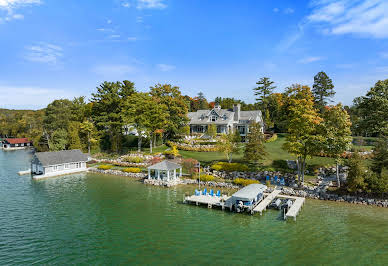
249	193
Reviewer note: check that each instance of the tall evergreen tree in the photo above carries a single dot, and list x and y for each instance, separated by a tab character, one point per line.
263	91
323	90
254	148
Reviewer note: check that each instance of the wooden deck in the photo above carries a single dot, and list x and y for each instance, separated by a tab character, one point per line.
295	208
208	200
266	201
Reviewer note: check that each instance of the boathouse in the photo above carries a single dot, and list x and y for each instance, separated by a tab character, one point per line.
165	171
247	196
46	164
16	143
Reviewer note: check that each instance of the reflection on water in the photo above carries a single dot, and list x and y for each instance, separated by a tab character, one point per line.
91	218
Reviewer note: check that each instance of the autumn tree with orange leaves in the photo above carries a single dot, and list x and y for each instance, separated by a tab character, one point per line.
303	139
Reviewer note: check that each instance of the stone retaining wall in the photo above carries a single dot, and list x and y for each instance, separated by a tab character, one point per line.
117	172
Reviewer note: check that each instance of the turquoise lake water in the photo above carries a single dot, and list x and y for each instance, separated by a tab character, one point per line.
100	219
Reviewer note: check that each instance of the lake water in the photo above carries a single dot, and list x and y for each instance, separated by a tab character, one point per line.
98	219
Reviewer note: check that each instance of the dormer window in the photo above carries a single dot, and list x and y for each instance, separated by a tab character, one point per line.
213	118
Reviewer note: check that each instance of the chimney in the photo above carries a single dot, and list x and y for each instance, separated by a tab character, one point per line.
217	106
236	110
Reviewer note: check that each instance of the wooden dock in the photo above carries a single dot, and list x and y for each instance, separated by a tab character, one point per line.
295	208
208	200
266	201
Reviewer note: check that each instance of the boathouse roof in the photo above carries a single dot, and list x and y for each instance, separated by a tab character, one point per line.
17	140
249	192
164	166
61	157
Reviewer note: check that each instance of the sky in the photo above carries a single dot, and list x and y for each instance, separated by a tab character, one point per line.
53	49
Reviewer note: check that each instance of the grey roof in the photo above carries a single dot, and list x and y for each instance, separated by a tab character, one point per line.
201	117
164	166
61	157
250	192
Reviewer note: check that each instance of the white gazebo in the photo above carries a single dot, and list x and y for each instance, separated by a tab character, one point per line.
166	171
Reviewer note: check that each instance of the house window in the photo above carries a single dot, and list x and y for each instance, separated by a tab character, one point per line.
242	130
55	168
67	166
213	118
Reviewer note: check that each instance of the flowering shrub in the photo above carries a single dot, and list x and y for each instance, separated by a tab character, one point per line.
105	167
189	165
131	170
155	160
206	178
230	167
272	138
172	153
190	147
244	182
133	159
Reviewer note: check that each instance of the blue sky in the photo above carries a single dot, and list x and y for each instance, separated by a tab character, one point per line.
60	49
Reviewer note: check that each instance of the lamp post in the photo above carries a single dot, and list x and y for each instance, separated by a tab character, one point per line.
199	175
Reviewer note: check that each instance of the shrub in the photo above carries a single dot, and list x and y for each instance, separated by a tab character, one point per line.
244	182
133	159
155	160
173	152
105	167
131	170
206	178
189	165
230	167
272	138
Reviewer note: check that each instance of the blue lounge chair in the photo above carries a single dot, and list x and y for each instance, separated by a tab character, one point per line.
211	193
197	192
204	192
218	193
282	182
267	178
276	179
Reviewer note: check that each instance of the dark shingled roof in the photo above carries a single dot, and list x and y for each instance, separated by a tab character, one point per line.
61	157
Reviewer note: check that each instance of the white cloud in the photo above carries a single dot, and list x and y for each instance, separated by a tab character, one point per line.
288	10
31	97
114	36
310	59
139	19
165	67
9	7
361	17
151	4
275	10
384	55
113	70
44	53
132	39
126	4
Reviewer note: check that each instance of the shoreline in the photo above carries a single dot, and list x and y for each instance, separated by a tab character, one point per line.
303	192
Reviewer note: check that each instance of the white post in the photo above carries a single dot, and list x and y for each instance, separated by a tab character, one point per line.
158	174
180	172
149	173
174	174
168	175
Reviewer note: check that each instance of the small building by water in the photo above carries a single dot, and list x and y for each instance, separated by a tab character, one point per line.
247	197
46	164
16	143
165	171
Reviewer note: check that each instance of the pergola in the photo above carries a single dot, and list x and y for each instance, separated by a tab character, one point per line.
165	171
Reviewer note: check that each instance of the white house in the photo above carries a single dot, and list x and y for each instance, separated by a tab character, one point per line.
226	120
46	164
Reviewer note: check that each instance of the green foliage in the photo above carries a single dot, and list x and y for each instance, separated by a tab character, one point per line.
189	165
206	178
372	110
263	90
133	159
230	167
131	170
229	144
212	130
185	130
59	140
323	89
254	148
380	156
105	167
73	132
244	182
273	138
173	152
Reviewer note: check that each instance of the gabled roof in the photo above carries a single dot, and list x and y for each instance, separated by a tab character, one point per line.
61	157
195	117
17	140
164	166
249	192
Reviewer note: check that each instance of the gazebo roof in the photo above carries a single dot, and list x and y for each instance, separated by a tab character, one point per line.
164	166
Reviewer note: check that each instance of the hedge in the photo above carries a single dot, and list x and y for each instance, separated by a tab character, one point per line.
105	167
206	178
244	182
230	167
133	159
131	170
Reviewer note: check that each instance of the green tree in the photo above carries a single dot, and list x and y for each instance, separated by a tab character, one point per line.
229	144
335	128
107	109
146	114
380	156
212	130
58	140
303	139
263	91
175	106
185	130
254	148
372	110
323	90
90	134
73	132
355	181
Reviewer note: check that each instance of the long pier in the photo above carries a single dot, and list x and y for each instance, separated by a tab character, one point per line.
213	201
